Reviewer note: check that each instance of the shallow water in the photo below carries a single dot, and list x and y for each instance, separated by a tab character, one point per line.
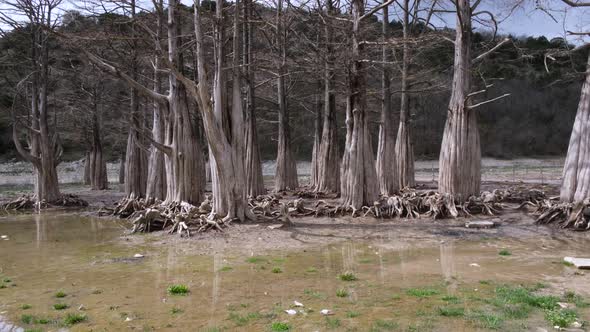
92	263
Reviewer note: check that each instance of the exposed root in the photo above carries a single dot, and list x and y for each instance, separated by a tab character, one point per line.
27	202
574	216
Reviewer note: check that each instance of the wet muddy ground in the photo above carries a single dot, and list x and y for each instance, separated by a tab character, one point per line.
74	271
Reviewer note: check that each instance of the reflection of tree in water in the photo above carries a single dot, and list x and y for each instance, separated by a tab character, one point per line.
447	265
216	286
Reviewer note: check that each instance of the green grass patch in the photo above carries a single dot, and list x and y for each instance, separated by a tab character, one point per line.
255	260
451	299
2	286
486	320
311	270
226	268
504	252
243	320
516	311
579	301
422	292
178	289
352	314
485	282
522	295
60	294
383	325
341	293
568	264
34	330
26	306
277	269
176	310
333	323
451	311
7	280
562	317
60	306
280	327
74	318
27	319
314	294
348	276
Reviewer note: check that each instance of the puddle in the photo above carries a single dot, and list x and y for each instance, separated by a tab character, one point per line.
449	286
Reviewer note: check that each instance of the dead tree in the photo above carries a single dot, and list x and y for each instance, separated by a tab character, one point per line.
44	150
386	157
286	165
328	177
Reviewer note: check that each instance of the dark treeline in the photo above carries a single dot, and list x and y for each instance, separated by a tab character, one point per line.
535	120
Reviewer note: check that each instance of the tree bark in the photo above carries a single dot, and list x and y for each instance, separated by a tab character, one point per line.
329	158
576	170
87	168
359	177
156	177
254	179
98	165
460	155
286	166
317	141
135	167
386	164
404	148
122	168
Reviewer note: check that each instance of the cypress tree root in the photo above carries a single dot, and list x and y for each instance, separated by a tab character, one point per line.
28	202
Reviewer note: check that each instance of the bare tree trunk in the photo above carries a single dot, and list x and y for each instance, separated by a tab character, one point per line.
135	168
98	165
184	159
329	158
254	179
386	165
576	171
156	177
226	147
87	168
460	155
286	166
359	176
317	141
122	168
404	148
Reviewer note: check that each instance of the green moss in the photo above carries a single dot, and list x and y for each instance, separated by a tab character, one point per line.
341	293
348	276
422	292
562	318
280	327
451	311
60	306
60	294
74	318
178	289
